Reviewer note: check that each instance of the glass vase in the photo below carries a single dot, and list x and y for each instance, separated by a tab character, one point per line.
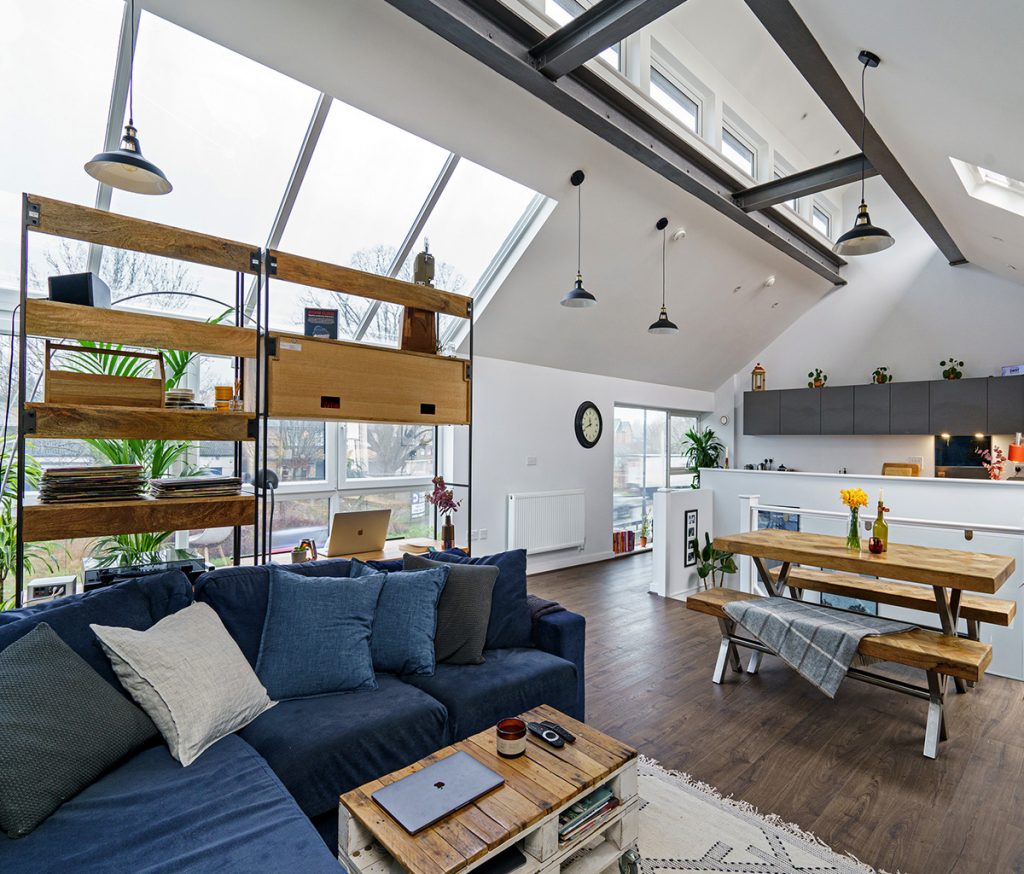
853	535
448	533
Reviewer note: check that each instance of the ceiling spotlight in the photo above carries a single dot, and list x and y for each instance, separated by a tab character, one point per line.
770	281
678	234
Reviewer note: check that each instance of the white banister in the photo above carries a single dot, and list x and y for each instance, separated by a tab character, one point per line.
748	522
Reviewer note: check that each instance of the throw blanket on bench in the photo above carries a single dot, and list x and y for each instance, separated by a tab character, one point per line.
817	642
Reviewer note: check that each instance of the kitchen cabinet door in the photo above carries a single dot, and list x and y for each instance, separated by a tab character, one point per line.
800	411
871	409
1005	405
908	408
958	406
836	409
761	412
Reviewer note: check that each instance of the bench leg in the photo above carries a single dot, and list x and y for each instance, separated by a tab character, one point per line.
935	729
754	665
972	634
727	653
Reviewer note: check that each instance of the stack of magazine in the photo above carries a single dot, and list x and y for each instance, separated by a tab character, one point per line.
196	487
109	482
585	815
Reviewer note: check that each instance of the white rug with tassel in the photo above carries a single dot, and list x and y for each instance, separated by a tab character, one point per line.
688	826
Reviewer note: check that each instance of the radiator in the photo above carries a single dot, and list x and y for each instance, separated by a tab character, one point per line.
546	521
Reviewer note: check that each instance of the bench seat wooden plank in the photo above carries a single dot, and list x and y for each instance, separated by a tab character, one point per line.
918	648
994	611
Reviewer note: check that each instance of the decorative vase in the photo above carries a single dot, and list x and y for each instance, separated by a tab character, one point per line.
448	533
853	535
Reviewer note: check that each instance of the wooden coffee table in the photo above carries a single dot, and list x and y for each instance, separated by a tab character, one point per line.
523	810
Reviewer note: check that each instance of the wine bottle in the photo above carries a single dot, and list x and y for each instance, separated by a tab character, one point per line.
881	529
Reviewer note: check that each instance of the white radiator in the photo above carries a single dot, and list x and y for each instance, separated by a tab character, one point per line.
546	521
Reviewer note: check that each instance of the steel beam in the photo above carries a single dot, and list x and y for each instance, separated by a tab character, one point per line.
822	178
604	24
786	27
494	35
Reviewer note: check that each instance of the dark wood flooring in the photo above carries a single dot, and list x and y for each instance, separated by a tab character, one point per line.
849	770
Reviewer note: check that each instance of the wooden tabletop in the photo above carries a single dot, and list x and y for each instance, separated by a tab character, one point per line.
543	780
949	568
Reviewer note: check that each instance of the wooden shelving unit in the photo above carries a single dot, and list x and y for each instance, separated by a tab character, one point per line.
95	519
66	421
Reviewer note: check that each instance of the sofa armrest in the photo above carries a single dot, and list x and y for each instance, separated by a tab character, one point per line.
564	634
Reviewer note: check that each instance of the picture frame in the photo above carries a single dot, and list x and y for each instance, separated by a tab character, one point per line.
691	534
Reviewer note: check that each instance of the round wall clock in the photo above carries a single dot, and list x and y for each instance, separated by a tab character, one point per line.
588	424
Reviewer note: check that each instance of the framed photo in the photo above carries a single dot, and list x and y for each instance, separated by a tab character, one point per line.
691	535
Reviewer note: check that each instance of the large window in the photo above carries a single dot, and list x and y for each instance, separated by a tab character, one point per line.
670	95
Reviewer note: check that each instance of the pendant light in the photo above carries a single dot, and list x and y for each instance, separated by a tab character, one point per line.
578	296
863	238
663	325
124	167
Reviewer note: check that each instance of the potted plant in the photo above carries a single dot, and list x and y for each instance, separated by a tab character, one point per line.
951	368
881	375
443	499
701	449
712	563
645	530
817	378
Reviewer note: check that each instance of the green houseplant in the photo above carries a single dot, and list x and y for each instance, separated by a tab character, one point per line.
881	375
951	368
701	449
712	563
36	554
817	378
645	529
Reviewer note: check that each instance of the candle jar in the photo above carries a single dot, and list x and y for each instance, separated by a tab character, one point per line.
511	738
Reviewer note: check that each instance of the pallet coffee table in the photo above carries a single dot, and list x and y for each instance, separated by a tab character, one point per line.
522	811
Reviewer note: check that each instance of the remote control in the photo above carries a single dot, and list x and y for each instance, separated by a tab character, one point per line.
546	734
563	733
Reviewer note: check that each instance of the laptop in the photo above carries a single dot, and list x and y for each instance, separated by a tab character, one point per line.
358	531
426	796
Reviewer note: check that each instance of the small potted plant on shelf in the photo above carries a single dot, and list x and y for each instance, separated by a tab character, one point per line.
712	563
951	368
881	375
817	378
443	499
645	530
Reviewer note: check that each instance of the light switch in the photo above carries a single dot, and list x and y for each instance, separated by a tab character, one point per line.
531	460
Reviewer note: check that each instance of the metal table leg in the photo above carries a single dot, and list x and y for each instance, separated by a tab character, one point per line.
948	607
935	729
727	652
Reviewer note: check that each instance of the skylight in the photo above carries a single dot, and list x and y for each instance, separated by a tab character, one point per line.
991	186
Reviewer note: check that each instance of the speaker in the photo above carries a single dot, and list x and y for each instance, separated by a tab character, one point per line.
84	289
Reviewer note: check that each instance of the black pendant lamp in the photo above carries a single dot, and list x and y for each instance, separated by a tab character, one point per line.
124	167
578	296
663	325
863	238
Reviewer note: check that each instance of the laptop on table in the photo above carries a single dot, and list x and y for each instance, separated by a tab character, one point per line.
358	531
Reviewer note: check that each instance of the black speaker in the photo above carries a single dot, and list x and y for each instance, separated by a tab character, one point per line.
84	289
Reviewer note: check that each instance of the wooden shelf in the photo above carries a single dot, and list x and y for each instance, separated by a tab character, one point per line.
66	421
60	521
47	318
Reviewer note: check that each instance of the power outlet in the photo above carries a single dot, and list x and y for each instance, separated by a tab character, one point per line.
916	459
482	534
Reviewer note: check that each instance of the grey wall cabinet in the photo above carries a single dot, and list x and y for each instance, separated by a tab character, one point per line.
871	409
836	409
761	412
909	408
1005	405
958	406
800	410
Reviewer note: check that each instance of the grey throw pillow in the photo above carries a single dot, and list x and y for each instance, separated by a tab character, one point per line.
61	727
189	675
463	611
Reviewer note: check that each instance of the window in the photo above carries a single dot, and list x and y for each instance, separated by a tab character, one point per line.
990	186
738	152
781	172
564	11
821	221
673	98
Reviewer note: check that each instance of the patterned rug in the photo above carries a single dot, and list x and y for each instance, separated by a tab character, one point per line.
688	826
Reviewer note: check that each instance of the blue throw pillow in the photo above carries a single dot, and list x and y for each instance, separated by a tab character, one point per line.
406	621
316	637
509	625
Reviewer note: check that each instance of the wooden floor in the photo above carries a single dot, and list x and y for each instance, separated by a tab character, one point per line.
849	770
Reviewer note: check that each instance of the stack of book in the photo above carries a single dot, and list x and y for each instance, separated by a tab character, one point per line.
112	482
196	487
623	541
181	398
586	815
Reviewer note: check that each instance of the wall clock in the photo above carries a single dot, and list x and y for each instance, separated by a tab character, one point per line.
588	424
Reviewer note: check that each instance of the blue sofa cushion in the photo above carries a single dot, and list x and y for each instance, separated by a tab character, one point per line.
405	625
138	603
225	814
510	624
507	683
325	745
239	595
316	638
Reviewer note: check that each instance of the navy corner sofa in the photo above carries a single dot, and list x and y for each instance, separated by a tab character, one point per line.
265	798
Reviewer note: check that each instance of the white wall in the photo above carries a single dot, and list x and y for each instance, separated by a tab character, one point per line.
905	308
522	410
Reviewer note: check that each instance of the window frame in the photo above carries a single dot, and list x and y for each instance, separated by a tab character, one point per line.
780	170
730	129
674	84
818	206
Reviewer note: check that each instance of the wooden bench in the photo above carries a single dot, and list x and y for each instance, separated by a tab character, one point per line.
937	654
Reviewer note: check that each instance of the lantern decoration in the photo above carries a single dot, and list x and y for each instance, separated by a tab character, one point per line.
757	378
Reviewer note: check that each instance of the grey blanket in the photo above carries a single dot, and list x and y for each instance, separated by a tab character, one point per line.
818	642
541	607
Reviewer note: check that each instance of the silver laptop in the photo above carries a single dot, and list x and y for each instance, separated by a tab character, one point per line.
426	796
358	531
